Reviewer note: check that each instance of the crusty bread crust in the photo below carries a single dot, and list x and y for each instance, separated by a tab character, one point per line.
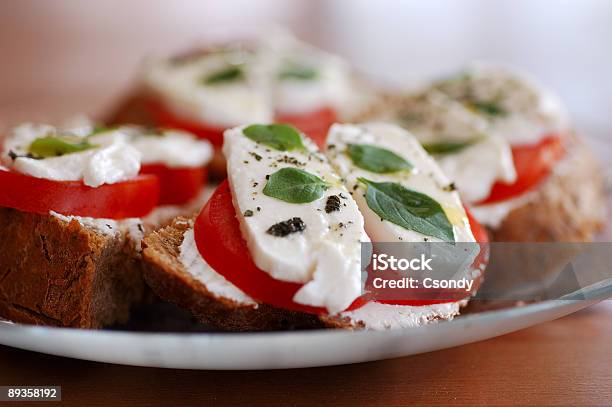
569	206
169	279
54	272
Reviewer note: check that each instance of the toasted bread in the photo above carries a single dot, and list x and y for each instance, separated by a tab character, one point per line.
59	272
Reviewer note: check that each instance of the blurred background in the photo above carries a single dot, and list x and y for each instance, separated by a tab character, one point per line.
69	56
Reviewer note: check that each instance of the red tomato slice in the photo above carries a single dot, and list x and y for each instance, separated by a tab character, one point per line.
220	242
177	185
479	231
315	124
165	118
533	163
129	199
482	237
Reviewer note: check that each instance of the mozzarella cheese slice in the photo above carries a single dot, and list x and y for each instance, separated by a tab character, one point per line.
425	177
478	167
112	159
183	88
304	78
173	148
278	74
524	111
325	255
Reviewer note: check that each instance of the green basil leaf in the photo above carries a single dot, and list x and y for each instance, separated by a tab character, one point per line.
449	146
409	209
55	146
491	108
376	159
295	186
98	129
295	72
281	137
229	74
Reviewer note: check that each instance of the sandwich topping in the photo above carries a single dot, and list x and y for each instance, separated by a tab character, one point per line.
275	77
282	229
290	234
220	88
74	172
108	173
460	142
515	106
172	148
496	132
176	158
287	232
402	199
42	151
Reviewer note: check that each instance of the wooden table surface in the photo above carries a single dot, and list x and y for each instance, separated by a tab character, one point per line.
563	362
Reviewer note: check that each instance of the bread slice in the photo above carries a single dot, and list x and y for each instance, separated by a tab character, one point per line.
63	271
170	280
55	271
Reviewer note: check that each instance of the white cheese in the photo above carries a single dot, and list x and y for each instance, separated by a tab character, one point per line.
379	316
329	87
426	177
112	160
182	88
493	214
325	256
434	117
173	148
214	282
78	124
530	111
478	167
263	91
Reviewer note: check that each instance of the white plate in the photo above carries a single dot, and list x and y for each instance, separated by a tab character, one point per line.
279	350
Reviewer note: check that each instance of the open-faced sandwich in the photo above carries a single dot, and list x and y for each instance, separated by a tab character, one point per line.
279	243
510	148
74	206
271	78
